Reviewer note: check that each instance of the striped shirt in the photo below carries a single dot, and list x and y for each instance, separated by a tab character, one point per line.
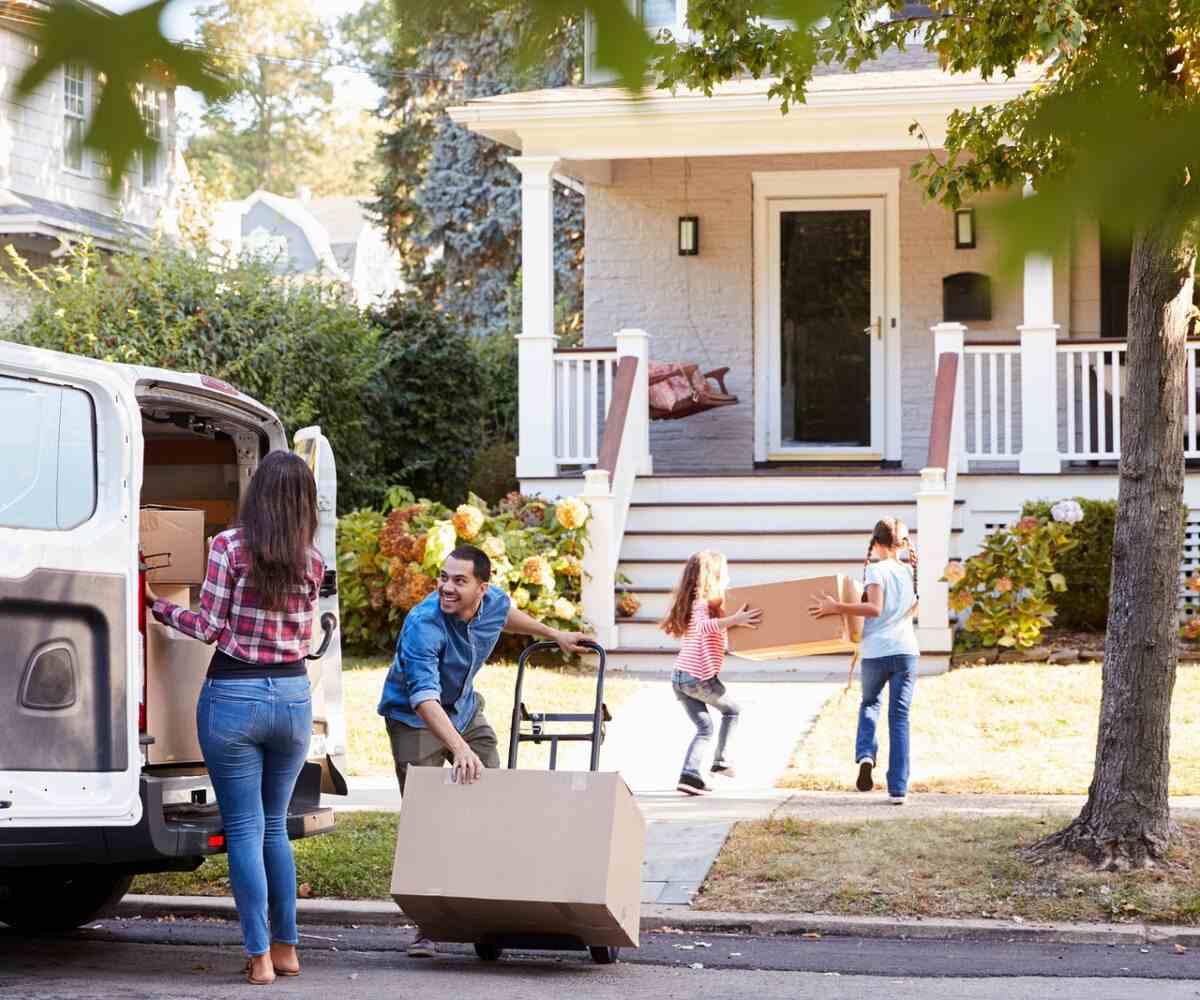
703	648
230	615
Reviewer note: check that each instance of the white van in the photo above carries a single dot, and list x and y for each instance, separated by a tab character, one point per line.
84	444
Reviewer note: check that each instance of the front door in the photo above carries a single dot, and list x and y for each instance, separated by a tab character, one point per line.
825	346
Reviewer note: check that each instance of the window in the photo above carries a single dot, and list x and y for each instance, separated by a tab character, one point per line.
660	14
151	103
48	440
74	115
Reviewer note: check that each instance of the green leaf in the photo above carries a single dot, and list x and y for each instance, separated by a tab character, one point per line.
126	49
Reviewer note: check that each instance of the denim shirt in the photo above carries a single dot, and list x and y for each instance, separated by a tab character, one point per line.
437	658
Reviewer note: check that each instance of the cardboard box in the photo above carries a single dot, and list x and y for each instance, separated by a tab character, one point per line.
520	853
176	535
786	628
175	593
176	666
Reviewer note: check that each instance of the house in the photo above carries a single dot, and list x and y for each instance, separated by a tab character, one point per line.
880	367
331	237
52	189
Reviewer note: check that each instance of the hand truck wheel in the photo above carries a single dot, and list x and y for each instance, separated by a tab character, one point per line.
487	951
604	954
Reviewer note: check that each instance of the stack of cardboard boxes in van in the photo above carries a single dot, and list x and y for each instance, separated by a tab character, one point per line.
172	539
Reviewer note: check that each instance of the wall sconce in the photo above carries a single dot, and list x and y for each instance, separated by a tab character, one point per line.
964	229
689	236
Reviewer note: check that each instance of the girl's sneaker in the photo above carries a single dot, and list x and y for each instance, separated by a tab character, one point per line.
865	782
897	800
724	770
691	784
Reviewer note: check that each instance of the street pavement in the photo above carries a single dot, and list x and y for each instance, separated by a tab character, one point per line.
176	959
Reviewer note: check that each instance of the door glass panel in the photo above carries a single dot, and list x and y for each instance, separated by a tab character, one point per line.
825	305
659	13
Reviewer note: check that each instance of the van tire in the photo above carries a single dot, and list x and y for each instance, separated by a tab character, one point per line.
43	900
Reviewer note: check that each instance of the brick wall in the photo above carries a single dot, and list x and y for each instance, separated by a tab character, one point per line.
701	308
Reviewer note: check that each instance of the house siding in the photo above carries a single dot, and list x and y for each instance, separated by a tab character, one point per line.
701	308
31	145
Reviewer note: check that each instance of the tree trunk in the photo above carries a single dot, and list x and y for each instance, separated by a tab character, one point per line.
1126	820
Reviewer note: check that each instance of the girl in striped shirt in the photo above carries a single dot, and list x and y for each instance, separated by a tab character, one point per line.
696	617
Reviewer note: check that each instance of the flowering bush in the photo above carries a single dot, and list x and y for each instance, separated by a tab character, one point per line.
388	560
1006	586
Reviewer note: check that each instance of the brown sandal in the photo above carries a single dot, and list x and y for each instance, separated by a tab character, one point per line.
249	970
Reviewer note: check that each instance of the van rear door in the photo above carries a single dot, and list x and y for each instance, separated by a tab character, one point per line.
70	655
329	720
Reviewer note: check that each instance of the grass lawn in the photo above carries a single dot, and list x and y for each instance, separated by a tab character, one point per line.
942	867
1009	728
546	689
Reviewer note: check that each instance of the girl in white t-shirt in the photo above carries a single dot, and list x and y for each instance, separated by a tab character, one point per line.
889	651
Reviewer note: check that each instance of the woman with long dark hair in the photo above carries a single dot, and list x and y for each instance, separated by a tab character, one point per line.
254	717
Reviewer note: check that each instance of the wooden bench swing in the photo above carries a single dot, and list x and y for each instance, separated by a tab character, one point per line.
679	390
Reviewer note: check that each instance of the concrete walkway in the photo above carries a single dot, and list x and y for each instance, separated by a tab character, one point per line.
646	742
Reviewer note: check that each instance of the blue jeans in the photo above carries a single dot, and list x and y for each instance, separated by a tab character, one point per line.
254	734
695	696
900	674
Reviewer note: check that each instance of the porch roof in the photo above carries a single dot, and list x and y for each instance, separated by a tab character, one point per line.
870	109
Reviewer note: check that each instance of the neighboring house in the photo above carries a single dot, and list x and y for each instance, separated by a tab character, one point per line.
829	286
330	237
52	190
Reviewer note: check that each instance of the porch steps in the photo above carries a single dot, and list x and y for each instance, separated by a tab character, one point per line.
771	528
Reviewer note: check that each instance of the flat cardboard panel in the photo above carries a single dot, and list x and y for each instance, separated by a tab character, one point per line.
176	666
179	533
520	852
175	593
786	628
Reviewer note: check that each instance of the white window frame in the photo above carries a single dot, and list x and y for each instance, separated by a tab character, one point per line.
70	115
151	99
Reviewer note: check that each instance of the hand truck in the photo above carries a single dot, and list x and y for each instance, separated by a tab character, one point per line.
531	727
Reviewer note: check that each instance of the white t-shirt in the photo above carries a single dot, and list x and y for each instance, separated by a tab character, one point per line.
891	634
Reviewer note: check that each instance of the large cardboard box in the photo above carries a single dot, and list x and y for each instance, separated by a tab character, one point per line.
520	852
176	666
176	535
786	628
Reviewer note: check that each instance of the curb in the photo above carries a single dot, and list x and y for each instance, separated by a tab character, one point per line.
681	919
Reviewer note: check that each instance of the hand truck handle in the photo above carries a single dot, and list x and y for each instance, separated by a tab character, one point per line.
597	715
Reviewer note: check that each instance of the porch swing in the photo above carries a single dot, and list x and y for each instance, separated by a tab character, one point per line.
680	390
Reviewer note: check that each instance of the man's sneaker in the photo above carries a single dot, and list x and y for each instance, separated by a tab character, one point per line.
422	947
897	800
724	770
691	784
865	782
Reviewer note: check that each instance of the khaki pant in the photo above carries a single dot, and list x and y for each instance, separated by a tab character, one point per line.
412	747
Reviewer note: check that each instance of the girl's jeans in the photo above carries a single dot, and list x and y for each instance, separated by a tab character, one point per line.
899	673
695	696
255	734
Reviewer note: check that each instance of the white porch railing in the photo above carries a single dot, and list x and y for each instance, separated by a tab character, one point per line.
583	380
993	386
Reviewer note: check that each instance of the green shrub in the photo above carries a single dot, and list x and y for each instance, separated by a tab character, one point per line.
1087	566
427	400
388	560
302	348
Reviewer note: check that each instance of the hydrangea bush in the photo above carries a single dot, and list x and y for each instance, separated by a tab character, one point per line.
388	560
1006	587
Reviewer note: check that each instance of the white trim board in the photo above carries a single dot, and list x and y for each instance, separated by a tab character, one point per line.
774	185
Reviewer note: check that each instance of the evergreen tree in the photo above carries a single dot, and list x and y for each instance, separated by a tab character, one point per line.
449	199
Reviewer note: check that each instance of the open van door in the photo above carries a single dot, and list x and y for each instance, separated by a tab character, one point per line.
328	746
69	655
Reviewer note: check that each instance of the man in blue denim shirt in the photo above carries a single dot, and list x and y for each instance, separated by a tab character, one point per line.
434	714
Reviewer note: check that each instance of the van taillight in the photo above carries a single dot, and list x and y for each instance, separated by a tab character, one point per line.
215	383
216	841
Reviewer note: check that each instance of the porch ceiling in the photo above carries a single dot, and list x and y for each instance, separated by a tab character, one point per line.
844	112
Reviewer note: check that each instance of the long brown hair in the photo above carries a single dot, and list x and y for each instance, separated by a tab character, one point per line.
889	531
705	576
278	520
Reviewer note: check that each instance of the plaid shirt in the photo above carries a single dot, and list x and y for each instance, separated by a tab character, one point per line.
230	615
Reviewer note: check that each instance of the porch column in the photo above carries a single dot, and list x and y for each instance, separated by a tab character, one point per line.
535	345
1039	368
948	339
637	423
935	510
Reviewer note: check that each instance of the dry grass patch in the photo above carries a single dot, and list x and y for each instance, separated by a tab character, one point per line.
1005	729
941	867
546	689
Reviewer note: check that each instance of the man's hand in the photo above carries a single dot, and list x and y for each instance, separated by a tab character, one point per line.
467	765
569	642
